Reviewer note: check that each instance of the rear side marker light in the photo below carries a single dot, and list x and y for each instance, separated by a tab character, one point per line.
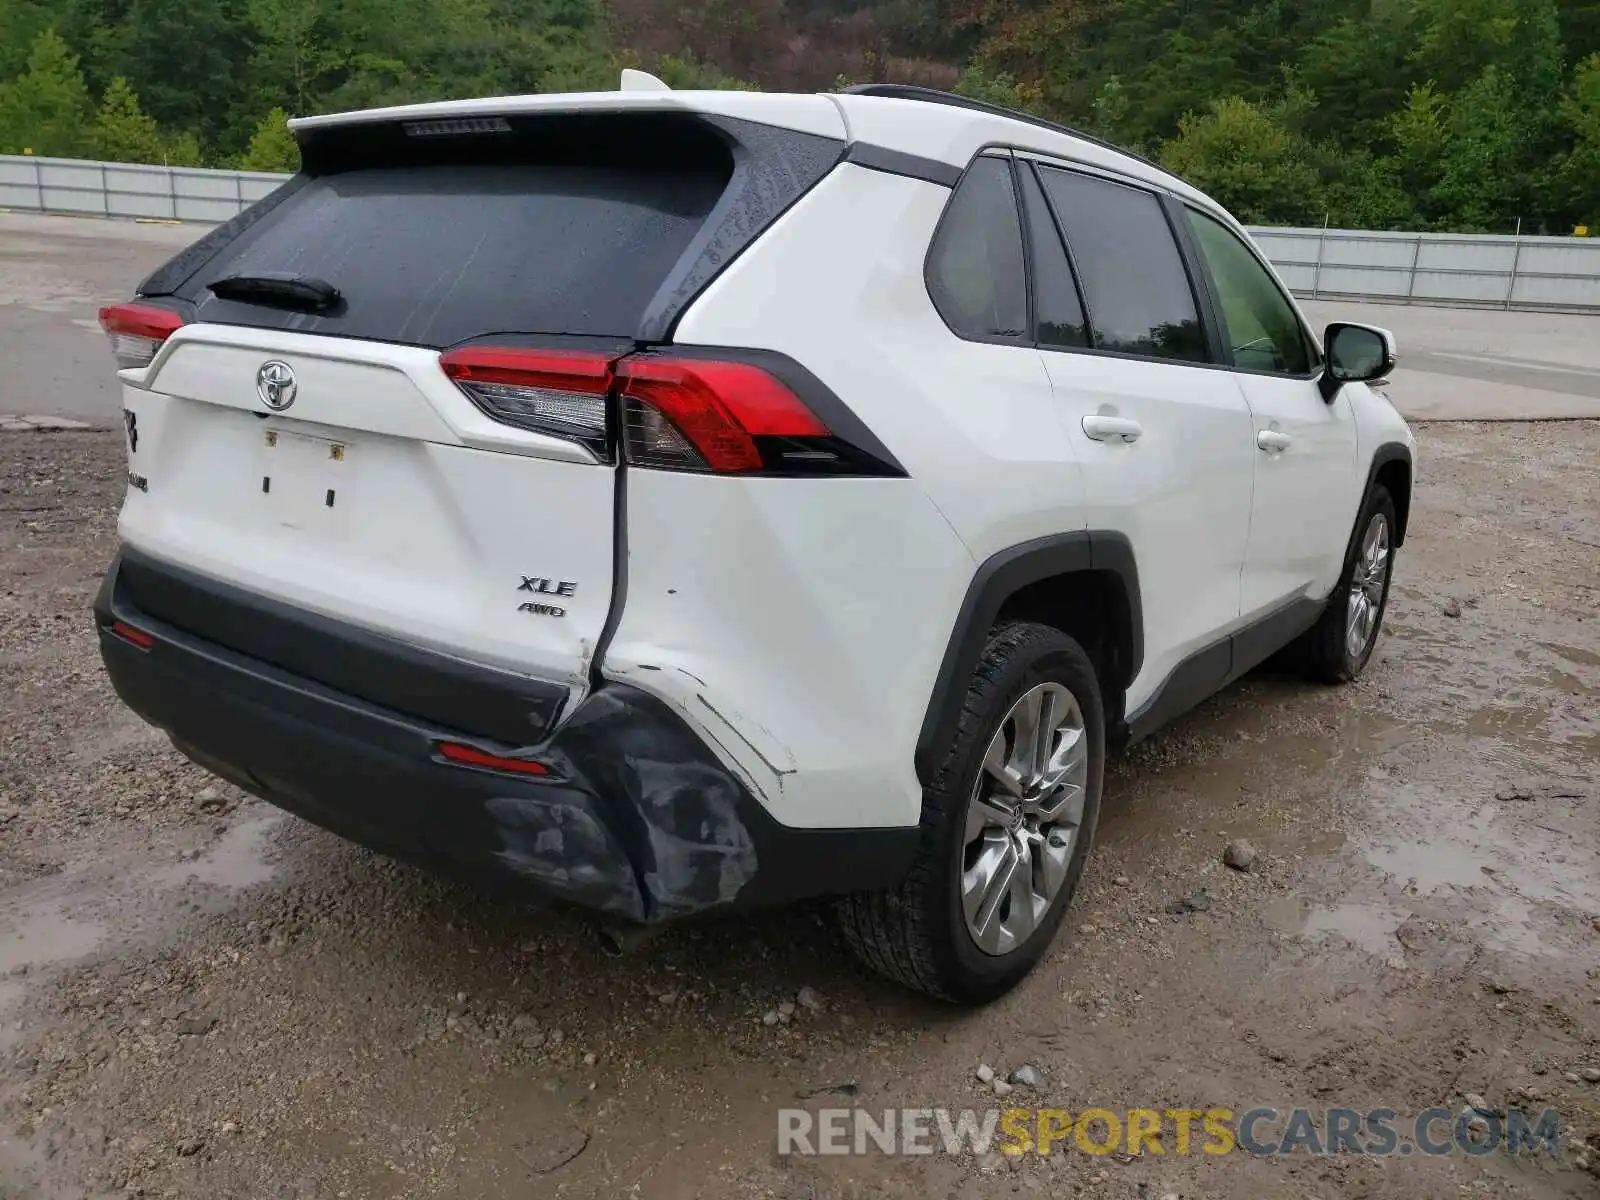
136	331
134	637
559	393
469	756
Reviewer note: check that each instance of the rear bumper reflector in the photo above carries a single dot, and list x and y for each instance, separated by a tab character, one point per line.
135	637
469	756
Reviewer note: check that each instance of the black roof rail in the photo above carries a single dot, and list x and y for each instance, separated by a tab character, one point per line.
908	91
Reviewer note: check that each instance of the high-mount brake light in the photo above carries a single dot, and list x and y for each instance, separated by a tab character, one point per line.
456	126
136	331
562	393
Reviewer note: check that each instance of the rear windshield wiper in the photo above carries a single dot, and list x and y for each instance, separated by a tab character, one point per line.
279	289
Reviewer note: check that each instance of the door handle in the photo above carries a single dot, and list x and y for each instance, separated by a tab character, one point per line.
1273	442
1102	428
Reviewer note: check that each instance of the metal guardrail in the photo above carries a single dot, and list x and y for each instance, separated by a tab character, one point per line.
1439	268
1449	268
66	185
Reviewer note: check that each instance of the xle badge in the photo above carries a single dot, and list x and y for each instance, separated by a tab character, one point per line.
545	587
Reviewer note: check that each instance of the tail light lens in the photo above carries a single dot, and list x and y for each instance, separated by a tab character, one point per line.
136	331
690	414
678	412
560	393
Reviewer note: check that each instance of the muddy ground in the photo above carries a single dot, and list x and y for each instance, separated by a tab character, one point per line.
205	998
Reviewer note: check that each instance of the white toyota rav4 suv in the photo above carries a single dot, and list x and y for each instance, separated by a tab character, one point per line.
674	502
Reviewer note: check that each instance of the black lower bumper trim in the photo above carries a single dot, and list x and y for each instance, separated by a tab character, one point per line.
393	674
637	818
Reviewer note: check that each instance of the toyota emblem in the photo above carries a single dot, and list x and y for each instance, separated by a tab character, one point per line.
275	384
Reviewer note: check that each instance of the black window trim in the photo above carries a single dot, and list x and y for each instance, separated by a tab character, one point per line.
1019	165
1224	342
1025	339
1211	331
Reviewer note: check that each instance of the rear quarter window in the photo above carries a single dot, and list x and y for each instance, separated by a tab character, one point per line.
975	269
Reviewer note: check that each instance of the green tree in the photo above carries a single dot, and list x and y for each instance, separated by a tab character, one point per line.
184	59
1420	133
1001	88
47	108
686	73
1359	71
21	21
1243	154
182	150
1482	170
121	131
272	147
292	60
1110	109
1458	40
1579	174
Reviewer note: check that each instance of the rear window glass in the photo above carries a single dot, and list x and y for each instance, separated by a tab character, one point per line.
433	255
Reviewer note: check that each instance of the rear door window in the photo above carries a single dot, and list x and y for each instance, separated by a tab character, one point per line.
1057	308
1134	282
975	270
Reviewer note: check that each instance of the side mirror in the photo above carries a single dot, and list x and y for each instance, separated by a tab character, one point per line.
1356	354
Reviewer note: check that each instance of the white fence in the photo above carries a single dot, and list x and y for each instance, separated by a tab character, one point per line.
68	185
1509	272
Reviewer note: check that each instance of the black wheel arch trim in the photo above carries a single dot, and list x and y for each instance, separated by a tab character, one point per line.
998	578
1385	454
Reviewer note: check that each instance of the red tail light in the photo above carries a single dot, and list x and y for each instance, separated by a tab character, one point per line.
742	414
469	756
561	393
713	411
136	331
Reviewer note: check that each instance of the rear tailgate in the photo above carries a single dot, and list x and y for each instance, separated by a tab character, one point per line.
319	454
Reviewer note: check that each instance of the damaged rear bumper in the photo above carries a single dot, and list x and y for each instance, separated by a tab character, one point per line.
636	817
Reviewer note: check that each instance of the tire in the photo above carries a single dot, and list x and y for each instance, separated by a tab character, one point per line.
1328	651
920	933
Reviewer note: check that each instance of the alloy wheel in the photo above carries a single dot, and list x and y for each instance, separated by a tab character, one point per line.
1023	818
1367	582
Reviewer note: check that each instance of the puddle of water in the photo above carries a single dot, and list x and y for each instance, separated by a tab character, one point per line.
237	860
1584	658
46	935
1367	926
1432	843
10	993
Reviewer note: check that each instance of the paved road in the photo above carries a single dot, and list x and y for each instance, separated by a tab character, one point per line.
55	272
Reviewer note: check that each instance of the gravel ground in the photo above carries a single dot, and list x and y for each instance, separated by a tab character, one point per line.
202	997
